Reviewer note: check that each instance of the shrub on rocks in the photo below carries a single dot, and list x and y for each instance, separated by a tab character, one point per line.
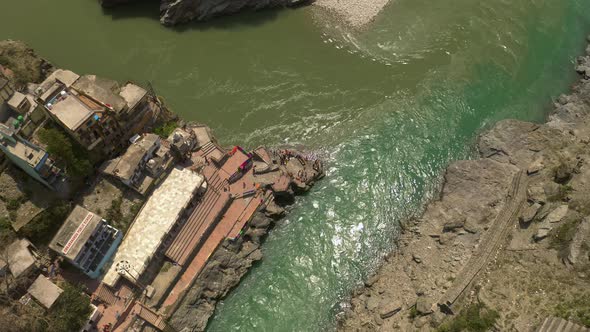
474	318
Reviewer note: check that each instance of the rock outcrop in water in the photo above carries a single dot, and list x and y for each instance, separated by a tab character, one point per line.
181	11
509	235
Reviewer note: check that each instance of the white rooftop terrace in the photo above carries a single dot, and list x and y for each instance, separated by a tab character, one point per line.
153	222
71	111
44	291
132	94
49	86
28	153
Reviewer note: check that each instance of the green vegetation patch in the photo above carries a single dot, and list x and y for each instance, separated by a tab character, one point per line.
21	76
166	129
71	310
43	227
474	318
12	205
116	217
71	153
7	234
413	313
562	237
114	214
576	310
167	265
562	194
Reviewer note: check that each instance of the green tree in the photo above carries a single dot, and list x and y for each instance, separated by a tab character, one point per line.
71	310
474	318
166	129
43	227
60	146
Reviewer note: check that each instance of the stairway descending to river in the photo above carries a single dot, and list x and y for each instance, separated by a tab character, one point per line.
207	148
201	221
491	242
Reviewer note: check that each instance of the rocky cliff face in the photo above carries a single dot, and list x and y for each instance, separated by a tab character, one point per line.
180	11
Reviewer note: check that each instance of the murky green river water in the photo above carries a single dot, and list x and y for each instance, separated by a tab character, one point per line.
389	107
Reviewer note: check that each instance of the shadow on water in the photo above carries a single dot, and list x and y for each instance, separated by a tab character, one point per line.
134	9
248	17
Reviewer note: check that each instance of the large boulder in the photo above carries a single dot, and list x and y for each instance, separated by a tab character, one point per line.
454	225
529	213
424	306
558	214
274	211
583	66
542	233
578	242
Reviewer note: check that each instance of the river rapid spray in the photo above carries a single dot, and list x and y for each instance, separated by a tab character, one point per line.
389	106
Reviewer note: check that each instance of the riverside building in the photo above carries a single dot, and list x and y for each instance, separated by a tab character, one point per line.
96	112
144	162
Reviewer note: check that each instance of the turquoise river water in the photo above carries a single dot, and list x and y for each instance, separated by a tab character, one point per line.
389	107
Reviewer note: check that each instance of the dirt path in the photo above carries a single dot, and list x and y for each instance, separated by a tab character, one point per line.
490	244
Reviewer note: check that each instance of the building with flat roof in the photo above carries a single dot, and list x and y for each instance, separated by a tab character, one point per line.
27	156
22	103
89	121
44	291
102	89
182	142
86	240
150	228
145	160
133	95
18	258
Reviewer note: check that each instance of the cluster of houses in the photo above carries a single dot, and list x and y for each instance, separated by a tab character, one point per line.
104	119
98	114
108	121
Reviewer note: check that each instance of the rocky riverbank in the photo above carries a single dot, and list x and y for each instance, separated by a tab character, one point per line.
222	273
22	64
480	253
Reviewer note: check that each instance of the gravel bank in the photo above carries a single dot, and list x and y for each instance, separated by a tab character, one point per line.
355	12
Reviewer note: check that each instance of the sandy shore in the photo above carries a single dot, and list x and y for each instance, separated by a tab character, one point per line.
356	12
